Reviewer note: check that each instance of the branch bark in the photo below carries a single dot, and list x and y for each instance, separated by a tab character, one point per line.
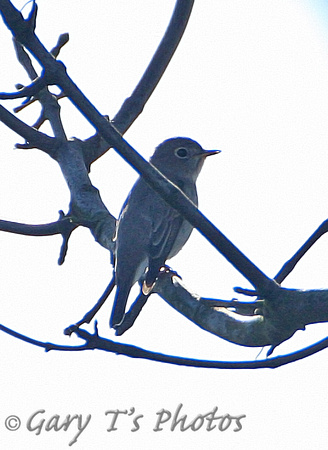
281	311
93	341
56	72
274	320
36	138
134	105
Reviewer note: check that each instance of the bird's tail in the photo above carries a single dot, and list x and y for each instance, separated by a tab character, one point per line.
119	305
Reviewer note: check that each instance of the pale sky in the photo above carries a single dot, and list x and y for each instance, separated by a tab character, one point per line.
249	78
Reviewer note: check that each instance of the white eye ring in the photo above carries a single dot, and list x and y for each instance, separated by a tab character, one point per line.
181	153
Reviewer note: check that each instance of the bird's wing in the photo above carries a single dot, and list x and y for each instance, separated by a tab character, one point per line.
165	227
157	221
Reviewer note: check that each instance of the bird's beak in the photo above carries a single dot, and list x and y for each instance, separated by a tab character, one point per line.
210	152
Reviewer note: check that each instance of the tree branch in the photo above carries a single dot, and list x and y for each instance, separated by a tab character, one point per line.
93	341
93	311
86	206
27	91
63	226
134	105
290	264
173	196
282	311
273	321
34	137
48	229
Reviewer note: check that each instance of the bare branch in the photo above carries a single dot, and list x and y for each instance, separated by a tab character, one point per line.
244	308
268	321
86	207
50	106
137	352
62	40
46	345
63	226
173	196
35	138
29	102
27	91
25	60
48	229
93	311
93	341
272	322
289	265
134	105
233	327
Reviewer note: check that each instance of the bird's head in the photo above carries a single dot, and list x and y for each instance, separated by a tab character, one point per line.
180	157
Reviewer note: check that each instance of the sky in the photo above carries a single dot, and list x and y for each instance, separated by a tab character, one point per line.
250	79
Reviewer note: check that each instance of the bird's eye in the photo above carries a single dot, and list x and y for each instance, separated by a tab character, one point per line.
181	153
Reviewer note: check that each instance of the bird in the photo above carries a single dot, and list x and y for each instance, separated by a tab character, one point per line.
149	231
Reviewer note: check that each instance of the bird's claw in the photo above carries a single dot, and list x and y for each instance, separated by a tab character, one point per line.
167	269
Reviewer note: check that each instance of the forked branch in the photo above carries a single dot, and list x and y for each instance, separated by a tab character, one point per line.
268	321
94	341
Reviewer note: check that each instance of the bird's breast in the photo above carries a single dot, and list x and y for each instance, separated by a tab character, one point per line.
181	239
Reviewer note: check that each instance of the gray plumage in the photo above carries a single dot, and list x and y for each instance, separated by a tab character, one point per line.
149	231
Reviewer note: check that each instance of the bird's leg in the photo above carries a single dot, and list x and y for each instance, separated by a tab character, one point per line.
168	269
138	304
146	289
93	311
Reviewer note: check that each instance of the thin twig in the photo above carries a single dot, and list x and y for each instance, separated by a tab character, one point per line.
46	345
62	40
63	226
48	229
93	341
93	311
289	265
56	71
27	91
134	105
36	138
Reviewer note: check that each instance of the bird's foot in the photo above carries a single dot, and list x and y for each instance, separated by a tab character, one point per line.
167	269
